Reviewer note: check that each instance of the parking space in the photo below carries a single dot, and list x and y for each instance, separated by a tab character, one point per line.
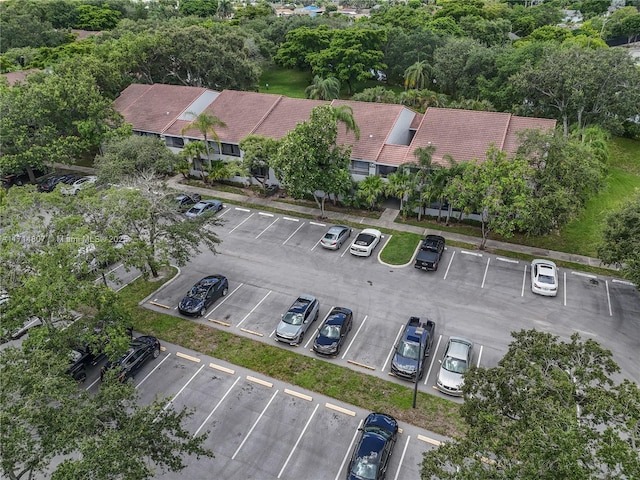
507	276
466	267
373	342
263	429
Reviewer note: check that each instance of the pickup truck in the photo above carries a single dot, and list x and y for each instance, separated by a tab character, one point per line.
413	348
430	252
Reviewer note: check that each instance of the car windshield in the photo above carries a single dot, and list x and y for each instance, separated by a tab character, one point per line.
330	331
409	350
292	318
330	236
455	365
364	239
366	467
198	292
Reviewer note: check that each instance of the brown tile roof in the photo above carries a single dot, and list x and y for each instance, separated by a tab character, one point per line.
375	121
393	154
285	115
241	111
154	108
467	134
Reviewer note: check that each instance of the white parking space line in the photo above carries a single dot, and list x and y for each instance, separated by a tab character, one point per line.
508	260
475	254
151	372
128	283
265	214
291	236
346	250
238	226
298	441
433	359
564	288
111	271
318	224
315	332
291	219
606	284
582	274
92	384
623	282
479	356
268	227
183	387
524	280
449	266
354	336
344	460
484	278
316	244
404	451
395	342
242	209
244	440
216	407
254	308
223	300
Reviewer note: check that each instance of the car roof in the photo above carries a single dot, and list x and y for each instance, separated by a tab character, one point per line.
381	420
337	316
337	228
458	347
210	280
302	303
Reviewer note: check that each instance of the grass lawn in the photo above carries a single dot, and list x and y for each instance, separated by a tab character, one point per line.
365	391
290	83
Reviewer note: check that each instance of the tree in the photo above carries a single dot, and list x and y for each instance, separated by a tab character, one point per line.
200	8
206	124
416	76
46	417
300	44
402	184
323	88
191	152
258	152
91	17
621	239
225	9
549	410
351	56
582	86
370	190
309	162
124	157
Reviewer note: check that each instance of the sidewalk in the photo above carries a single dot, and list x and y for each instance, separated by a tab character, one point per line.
386	220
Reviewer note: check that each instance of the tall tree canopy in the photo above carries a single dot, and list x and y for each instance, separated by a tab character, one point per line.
549	410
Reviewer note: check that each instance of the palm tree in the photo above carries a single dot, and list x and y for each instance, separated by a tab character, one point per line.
323	88
206	124
416	75
344	114
401	185
370	190
424	156
225	9
192	151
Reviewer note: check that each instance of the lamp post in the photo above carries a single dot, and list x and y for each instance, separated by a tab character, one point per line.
419	332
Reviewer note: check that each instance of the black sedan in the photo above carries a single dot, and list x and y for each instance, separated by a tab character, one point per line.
373	450
203	294
141	350
185	201
49	184
333	332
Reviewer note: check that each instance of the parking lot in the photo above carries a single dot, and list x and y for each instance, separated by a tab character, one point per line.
269	259
263	429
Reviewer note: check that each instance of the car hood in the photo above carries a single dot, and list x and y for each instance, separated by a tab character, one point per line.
288	330
323	341
404	364
191	304
450	379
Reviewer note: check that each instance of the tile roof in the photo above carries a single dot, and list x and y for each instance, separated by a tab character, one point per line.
375	121
393	154
285	115
153	108
512	141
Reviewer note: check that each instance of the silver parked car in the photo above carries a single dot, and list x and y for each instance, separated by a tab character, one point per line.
455	362
335	237
295	323
544	278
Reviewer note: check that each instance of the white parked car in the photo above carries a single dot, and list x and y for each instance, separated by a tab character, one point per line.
79	184
365	242
544	278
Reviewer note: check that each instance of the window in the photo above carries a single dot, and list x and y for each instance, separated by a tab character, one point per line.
384	170
359	167
231	149
214	147
176	142
260	172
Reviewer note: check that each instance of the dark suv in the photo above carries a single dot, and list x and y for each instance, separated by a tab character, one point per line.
371	454
141	350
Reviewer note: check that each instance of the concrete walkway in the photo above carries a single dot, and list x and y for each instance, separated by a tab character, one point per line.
386	220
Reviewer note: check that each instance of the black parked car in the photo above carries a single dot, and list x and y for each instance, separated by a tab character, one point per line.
49	184
333	331
203	294
141	350
373	450
185	201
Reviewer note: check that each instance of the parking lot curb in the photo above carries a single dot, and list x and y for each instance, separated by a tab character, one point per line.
353	362
431	441
259	381
331	406
219	322
188	357
222	369
298	394
252	332
168	282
